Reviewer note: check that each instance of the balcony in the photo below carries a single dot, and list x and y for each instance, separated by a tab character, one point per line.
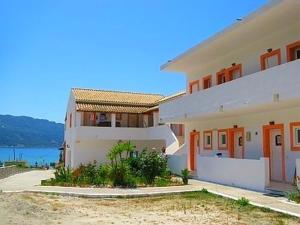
274	88
162	132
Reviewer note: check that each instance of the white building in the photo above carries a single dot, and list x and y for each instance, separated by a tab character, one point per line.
243	101
96	120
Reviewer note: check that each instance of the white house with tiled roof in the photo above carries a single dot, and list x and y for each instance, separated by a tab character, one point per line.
242	110
97	119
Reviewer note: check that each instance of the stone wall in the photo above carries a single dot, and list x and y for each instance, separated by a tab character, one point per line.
11	170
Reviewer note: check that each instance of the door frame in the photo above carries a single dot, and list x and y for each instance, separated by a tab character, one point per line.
267	148
231	142
192	162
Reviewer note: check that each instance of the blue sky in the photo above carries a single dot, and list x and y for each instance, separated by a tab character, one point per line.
49	46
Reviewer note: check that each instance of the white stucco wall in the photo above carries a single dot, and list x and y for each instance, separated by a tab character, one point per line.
250	174
176	163
251	93
252	123
162	132
87	151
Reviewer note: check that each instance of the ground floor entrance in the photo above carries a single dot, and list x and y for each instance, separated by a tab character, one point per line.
236	143
273	142
194	148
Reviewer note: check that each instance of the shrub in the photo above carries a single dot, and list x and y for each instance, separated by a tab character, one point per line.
185	176
293	196
103	173
120	173
63	174
243	201
204	190
152	164
162	182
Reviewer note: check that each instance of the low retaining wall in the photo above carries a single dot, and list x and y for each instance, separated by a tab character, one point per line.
176	163
11	170
245	173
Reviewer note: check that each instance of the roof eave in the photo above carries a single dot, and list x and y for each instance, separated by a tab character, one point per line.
170	65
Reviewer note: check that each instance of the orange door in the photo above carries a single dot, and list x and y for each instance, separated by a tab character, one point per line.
194	146
273	143
236	143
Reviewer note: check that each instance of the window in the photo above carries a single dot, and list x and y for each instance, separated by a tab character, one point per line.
222	139
293	51
297	53
207	137
295	136
118	116
234	72
207	82
194	86
221	77
270	59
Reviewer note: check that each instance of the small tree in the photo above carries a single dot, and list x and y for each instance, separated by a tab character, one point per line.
118	156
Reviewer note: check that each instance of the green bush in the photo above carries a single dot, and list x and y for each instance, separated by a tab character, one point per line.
63	174
120	173
152	164
293	196
243	201
162	182
204	190
185	176
103	173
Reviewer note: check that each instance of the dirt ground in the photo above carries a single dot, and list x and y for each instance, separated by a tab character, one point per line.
192	208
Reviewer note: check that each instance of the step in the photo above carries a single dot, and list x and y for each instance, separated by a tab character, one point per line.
274	192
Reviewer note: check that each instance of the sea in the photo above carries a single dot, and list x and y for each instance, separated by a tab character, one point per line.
33	156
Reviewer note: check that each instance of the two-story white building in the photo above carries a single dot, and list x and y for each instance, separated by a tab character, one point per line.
96	120
242	108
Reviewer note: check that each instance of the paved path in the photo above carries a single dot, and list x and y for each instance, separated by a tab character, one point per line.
24	181
30	181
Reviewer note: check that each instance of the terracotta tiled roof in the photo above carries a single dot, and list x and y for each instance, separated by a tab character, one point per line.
115	97
116	101
89	107
172	97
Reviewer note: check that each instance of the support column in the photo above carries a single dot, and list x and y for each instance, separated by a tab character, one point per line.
113	120
155	119
145	120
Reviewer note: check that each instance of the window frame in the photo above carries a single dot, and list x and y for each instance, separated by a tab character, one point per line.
205	133
205	79
219	74
232	69
289	48
191	84
294	147
265	56
220	131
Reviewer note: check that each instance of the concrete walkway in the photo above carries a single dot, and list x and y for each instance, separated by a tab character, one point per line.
30	181
24	181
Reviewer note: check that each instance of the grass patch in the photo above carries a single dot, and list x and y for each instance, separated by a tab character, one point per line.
293	196
240	206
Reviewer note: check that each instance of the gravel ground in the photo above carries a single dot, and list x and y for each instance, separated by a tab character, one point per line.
192	208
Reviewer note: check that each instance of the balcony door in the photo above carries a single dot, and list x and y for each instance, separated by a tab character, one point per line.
194	149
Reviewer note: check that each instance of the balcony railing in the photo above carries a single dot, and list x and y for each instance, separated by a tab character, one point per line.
265	88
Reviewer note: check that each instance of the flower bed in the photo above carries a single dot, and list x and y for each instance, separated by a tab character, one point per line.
146	169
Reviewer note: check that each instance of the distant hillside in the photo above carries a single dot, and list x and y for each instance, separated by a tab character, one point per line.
25	131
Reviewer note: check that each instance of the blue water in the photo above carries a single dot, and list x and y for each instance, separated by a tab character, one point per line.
31	155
